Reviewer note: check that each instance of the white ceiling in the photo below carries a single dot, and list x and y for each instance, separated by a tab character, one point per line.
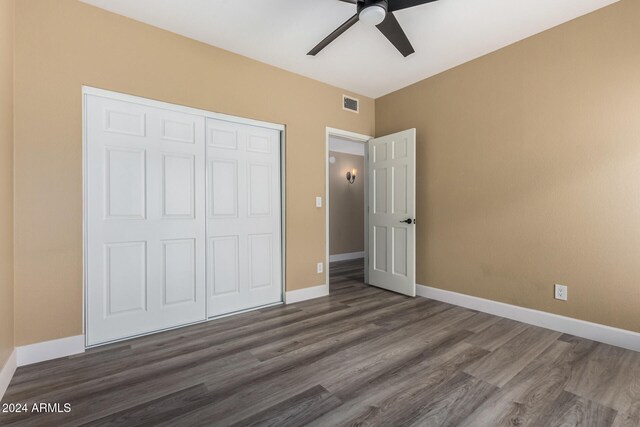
444	34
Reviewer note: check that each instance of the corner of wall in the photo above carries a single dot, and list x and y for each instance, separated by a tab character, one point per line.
7	195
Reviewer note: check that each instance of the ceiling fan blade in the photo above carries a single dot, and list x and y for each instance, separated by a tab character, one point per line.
392	30
350	1
405	4
331	37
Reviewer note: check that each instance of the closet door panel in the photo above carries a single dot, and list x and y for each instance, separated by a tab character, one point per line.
146	245
243	217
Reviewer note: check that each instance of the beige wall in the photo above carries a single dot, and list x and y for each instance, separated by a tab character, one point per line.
63	44
6	179
346	205
529	170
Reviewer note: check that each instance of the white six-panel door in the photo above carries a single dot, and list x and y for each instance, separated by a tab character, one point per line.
243	217
392	211
183	217
145	221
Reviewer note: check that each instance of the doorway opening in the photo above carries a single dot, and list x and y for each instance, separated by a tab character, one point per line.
389	210
346	207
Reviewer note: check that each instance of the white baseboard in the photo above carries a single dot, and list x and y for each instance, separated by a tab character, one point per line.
47	350
345	257
7	371
580	328
306	293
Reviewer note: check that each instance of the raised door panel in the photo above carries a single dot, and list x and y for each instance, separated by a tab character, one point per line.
125	266
400	148
224	262
380	190
179	131
178	271
178	186
400	244
379	152
258	143
400	189
119	120
222	138
259	179
260	260
380	248
223	188
125	183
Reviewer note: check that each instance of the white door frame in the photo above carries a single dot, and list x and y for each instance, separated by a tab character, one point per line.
88	90
357	137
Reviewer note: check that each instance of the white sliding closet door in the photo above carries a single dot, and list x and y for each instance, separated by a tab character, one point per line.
145	205
243	217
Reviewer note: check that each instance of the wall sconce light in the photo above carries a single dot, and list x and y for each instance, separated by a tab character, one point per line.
351	176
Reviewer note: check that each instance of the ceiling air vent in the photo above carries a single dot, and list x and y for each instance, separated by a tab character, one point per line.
350	104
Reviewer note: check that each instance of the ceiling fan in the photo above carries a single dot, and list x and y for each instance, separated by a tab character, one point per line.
380	14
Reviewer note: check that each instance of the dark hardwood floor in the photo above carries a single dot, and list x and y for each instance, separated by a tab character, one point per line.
361	356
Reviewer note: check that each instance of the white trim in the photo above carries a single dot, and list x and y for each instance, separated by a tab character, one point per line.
580	328
283	214
356	137
306	293
347	134
346	256
48	350
85	212
88	90
7	371
365	176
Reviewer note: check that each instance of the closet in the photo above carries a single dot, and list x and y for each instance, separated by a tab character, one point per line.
182	215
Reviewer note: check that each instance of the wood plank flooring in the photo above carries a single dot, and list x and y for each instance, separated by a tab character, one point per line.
361	356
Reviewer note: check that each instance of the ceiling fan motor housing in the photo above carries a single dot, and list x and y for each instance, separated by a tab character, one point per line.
367	3
372	12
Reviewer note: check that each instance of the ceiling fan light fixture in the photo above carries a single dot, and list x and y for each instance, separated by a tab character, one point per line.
373	14
377	13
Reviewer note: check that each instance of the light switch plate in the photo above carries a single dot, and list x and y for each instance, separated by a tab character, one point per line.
318	202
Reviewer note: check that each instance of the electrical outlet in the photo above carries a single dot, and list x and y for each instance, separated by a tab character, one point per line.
318	202
561	292
319	268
